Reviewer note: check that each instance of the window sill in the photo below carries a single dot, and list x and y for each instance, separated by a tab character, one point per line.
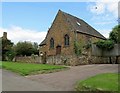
51	48
66	46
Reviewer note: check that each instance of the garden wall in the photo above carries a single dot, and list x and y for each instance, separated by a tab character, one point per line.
91	56
69	60
79	60
28	59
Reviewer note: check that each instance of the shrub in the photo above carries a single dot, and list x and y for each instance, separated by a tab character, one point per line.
88	45
77	48
105	45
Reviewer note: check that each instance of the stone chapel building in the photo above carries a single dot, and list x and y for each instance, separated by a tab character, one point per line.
65	30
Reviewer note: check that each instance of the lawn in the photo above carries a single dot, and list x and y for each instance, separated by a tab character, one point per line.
29	68
101	82
0	64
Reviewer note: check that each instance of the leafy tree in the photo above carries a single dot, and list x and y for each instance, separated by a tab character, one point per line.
6	47
35	48
114	34
11	54
26	48
23	48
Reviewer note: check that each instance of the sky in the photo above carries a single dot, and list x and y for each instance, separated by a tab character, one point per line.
30	21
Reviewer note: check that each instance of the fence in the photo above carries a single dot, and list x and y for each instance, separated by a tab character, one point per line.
105	53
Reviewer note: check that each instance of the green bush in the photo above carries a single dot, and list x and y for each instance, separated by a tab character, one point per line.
105	44
87	46
77	48
10	54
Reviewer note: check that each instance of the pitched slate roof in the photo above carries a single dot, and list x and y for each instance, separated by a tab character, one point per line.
43	43
80	26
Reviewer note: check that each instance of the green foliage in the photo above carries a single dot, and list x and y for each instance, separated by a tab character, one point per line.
26	48
6	47
11	54
35	48
114	37
77	48
26	69
0	64
114	34
6	44
105	44
88	45
101	82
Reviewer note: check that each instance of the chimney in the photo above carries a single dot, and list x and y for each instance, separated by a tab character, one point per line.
4	35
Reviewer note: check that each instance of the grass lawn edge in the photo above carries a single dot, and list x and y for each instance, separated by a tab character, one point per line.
25	70
84	85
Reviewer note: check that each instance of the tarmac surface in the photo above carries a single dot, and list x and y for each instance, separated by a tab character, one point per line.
57	81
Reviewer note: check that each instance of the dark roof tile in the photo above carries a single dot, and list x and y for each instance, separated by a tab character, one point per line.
81	26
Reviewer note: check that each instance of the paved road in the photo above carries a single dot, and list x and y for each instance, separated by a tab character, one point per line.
14	82
58	81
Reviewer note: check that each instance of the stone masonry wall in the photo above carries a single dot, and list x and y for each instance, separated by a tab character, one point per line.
81	60
60	27
29	59
71	60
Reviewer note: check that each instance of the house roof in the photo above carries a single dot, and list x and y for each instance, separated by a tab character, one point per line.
43	42
80	26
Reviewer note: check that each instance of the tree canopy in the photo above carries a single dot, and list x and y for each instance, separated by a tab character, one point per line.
6	47
114	37
114	34
26	48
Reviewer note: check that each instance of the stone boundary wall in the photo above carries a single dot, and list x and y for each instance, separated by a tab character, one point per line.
71	60
80	60
28	59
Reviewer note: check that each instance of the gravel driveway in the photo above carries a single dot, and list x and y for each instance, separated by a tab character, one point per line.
58	81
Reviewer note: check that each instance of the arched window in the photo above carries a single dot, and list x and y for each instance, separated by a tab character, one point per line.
66	40
51	43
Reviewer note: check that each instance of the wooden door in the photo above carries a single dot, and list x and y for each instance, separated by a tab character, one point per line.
58	49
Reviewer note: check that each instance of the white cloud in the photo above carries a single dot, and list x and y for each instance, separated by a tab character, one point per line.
98	8
16	34
104	6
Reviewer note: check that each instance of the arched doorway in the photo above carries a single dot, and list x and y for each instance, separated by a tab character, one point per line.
58	49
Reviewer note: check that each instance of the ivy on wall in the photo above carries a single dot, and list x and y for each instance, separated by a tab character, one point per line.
77	48
88	45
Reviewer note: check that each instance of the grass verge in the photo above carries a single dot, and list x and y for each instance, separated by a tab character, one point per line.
0	64
30	68
101	82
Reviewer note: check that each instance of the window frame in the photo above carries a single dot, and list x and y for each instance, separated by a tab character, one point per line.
66	40
51	43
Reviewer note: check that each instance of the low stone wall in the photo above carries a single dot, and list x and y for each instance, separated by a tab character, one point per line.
71	60
80	60
62	60
28	59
